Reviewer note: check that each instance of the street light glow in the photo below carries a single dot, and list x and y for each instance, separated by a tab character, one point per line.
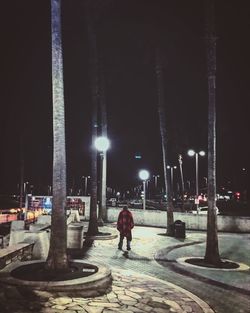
102	144
144	174
191	152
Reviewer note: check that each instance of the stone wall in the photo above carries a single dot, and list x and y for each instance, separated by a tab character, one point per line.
158	218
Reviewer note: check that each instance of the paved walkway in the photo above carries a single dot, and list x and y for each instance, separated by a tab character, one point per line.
155	254
131	292
146	278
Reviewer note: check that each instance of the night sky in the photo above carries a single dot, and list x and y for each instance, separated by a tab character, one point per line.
127	32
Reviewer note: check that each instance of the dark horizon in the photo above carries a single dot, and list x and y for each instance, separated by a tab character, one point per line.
126	34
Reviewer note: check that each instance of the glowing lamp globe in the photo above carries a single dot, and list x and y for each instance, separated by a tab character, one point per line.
144	174
102	143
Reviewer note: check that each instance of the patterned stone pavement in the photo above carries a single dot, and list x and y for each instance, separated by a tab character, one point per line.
140	284
131	292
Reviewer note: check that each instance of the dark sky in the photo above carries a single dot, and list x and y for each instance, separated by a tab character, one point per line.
126	31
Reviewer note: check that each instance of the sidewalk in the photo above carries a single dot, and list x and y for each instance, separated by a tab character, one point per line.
155	254
233	247
139	284
131	292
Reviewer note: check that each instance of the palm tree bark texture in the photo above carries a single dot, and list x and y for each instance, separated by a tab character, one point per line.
57	257
212	250
104	133
163	133
93	222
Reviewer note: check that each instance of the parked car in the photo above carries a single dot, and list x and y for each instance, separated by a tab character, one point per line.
203	210
137	204
112	202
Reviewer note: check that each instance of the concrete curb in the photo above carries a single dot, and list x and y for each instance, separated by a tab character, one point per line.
242	266
93	285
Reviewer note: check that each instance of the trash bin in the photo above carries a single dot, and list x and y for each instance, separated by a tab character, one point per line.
179	229
75	236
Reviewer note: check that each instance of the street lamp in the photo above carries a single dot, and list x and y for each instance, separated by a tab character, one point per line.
172	168
156	179
49	190
102	144
192	153
85	184
144	175
25	198
182	180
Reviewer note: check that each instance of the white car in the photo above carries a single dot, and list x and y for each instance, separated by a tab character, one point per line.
203	210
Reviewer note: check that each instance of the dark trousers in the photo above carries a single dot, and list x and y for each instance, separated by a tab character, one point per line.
121	241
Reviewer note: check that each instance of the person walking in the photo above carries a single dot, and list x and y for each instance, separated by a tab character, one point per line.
125	224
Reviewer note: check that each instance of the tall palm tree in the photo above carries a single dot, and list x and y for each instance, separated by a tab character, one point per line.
164	139
57	257
93	60
21	173
92	13
212	250
104	132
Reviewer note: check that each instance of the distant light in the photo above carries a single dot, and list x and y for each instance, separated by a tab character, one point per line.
102	143
144	174
137	156
191	152
237	194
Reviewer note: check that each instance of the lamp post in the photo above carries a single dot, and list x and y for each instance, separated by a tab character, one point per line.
172	168
102	144
25	198
144	175
182	180
85	184
196	154
49	190
156	179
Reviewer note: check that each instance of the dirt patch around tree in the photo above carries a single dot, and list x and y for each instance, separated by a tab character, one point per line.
220	265
38	272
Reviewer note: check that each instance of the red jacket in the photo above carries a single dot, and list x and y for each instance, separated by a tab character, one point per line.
125	222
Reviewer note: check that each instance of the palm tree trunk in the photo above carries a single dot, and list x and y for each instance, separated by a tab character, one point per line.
163	132
182	181
57	258
103	179
93	224
212	250
21	174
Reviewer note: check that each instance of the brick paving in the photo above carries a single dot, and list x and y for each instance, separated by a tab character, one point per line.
130	292
141	284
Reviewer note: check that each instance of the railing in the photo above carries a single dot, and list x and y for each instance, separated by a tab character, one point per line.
5	218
